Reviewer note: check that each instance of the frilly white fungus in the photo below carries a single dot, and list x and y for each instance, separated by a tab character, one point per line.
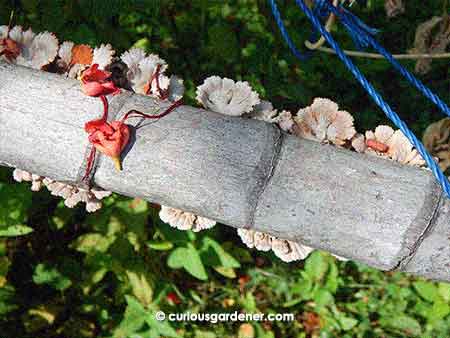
324	122
184	220
226	96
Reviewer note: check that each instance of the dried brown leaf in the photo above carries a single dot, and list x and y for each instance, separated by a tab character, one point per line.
437	141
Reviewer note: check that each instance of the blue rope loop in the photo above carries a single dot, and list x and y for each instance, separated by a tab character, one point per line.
362	35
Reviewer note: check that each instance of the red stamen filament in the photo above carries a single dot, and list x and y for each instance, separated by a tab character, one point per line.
90	163
136	113
154	76
91	157
162	94
105	107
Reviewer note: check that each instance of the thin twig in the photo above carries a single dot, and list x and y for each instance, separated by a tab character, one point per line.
379	56
328	26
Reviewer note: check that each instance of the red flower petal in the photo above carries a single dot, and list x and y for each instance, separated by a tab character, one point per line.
96	125
94	74
108	138
98	89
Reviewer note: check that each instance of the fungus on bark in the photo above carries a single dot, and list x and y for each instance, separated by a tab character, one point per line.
324	122
184	220
34	51
226	96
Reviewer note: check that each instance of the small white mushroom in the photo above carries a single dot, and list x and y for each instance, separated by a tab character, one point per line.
143	69
183	220
103	56
359	143
386	142
264	111
65	54
287	251
74	195
324	122
24	176
255	239
36	51
226	96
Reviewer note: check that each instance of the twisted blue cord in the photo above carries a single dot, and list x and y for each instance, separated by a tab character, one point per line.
364	37
351	24
276	13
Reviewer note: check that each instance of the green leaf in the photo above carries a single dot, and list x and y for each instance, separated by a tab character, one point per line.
7	301
213	254
134	318
249	303
160	245
426	290
161	327
347	323
316	266
91	242
189	259
292	302
403	323
223	44
195	296
332	277
439	310
44	274
141	286
15	202
303	287
323	297
226	272
444	291
15	230
204	334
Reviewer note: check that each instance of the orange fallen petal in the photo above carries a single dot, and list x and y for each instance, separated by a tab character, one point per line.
377	146
82	54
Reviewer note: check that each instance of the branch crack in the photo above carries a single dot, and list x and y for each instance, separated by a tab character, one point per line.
405	259
266	176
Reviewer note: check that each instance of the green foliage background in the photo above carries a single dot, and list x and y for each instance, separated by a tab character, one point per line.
104	275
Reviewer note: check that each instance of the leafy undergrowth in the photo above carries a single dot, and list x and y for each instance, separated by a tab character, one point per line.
106	275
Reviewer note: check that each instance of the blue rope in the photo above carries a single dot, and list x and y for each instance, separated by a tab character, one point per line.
276	13
352	23
362	34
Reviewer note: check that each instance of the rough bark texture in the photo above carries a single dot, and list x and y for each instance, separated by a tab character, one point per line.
241	172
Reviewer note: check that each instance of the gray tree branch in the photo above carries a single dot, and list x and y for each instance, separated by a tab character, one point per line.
241	172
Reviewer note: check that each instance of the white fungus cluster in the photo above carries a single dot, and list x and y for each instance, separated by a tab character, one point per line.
183	220
227	97
71	194
287	251
73	59
146	75
264	111
390	144
36	51
324	122
37	182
